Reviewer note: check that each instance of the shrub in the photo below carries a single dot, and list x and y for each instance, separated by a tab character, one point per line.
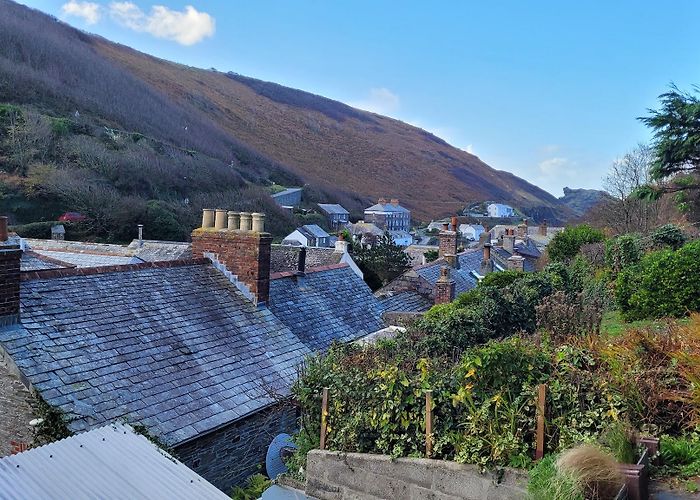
255	486
680	456
668	235
566	244
622	252
664	283
596	472
501	279
564	315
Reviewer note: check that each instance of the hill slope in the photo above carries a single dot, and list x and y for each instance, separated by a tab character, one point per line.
246	130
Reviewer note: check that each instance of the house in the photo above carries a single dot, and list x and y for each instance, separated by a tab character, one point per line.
286	258
471	232
309	235
109	462
500	210
337	216
365	233
401	238
201	351
290	197
439	281
389	216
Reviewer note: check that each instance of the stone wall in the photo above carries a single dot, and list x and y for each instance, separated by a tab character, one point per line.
339	476
230	455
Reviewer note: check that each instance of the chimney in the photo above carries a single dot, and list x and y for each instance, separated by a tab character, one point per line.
543	228
244	252
447	241
10	255
486	264
395	202
341	246
207	218
140	226
301	262
221	219
509	241
516	263
234	220
454	223
58	232
444	287
522	231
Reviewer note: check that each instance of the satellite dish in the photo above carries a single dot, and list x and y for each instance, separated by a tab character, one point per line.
280	449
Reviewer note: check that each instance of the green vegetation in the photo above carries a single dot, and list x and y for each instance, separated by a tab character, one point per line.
381	262
680	456
255	487
548	483
663	283
431	255
566	244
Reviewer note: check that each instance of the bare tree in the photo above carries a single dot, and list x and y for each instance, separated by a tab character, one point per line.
625	213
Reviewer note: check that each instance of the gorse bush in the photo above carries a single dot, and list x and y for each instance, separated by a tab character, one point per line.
663	283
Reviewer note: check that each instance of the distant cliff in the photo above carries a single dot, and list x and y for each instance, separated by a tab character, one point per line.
582	200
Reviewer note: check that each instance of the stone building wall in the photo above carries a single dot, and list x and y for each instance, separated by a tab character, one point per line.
340	476
230	455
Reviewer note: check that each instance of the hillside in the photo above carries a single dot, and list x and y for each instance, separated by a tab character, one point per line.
582	200
210	136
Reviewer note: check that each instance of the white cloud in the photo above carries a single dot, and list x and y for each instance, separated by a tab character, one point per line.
555	166
88	11
380	100
185	27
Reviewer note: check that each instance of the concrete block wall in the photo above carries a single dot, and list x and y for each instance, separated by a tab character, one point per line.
340	476
230	455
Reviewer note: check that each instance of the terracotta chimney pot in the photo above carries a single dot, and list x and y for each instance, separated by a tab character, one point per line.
220	221
207	218
258	224
246	221
234	220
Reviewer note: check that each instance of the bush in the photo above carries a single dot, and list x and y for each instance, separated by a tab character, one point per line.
664	283
622	252
566	244
668	235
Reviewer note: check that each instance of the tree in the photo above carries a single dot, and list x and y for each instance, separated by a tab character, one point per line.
566	244
624	212
676	127
381	262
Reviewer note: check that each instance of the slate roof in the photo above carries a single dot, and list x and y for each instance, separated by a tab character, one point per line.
159	251
503	255
325	305
88	259
405	301
32	261
388	207
286	258
333	208
314	230
465	280
111	462
176	348
77	247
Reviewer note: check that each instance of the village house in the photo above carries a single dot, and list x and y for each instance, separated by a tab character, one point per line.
309	235
389	216
471	232
337	216
500	210
289	198
200	350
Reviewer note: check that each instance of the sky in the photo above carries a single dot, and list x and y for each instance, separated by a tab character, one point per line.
550	91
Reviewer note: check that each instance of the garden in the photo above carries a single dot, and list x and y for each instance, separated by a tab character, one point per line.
484	356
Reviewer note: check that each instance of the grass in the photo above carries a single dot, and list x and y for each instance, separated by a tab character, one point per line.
613	325
547	483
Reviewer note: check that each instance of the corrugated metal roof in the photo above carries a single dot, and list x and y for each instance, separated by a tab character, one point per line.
109	462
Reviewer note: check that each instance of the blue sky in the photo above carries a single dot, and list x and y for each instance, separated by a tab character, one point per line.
547	90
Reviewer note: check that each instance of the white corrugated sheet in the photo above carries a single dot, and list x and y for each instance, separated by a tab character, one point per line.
111	462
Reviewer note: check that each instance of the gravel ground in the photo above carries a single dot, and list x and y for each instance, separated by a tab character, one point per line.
15	411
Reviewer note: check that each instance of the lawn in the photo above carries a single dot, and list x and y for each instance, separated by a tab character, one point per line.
613	325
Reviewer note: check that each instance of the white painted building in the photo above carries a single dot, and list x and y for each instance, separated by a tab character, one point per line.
500	210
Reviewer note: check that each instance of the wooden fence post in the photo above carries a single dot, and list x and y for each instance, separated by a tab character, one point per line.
428	423
324	415
541	399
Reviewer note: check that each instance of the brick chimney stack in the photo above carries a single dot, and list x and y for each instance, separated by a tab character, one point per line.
486	264
444	287
543	228
509	240
516	263
10	255
241	245
448	245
